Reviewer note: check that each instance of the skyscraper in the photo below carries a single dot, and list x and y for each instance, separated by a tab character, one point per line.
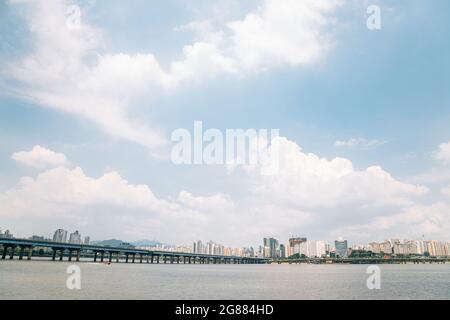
60	235
341	248
75	237
271	247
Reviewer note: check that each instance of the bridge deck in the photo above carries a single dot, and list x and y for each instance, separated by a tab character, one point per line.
26	243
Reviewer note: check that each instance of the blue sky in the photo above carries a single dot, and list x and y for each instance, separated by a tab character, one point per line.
388	86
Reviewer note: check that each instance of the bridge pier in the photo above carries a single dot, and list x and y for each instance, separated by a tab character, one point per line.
5	250
133	255
95	256
61	254
102	256
148	257
157	259
11	254
22	248
140	257
171	259
126	257
70	254
151	258
117	256
78	255
110	257
30	253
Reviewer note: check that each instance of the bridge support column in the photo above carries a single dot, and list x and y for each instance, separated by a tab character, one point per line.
148	258
171	259
157	259
178	260
95	256
22	248
110	257
5	250
11	254
78	255
30	253
140	257
133	257
126	257
151	258
61	254
54	254
70	255
102	256
117	256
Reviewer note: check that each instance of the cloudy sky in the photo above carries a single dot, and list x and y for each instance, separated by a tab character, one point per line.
90	92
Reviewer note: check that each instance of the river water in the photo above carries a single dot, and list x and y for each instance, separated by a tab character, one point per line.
47	280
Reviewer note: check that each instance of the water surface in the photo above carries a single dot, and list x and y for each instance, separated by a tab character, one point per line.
47	280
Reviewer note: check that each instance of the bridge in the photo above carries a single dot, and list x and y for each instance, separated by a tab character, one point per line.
24	247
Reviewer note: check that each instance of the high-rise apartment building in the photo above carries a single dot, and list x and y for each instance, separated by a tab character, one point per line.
60	235
271	247
75	237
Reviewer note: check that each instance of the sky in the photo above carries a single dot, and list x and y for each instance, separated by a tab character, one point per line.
91	91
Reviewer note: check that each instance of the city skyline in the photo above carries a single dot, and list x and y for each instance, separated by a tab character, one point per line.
273	248
91	94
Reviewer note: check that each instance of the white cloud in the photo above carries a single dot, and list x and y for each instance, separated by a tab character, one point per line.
69	72
40	158
435	175
443	153
282	32
310	195
446	191
307	180
359	143
432	221
108	206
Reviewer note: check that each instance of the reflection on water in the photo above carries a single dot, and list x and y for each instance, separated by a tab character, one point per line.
47	280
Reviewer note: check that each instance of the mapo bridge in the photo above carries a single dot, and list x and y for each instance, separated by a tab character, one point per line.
24	247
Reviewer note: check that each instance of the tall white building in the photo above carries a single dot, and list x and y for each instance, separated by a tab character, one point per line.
317	249
75	238
60	235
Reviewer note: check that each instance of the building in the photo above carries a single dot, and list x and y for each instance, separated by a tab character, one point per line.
37	238
317	249
75	238
7	234
341	247
271	248
386	247
60	235
198	247
282	251
295	245
87	240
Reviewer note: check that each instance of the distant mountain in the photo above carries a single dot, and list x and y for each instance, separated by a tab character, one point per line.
112	243
146	243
